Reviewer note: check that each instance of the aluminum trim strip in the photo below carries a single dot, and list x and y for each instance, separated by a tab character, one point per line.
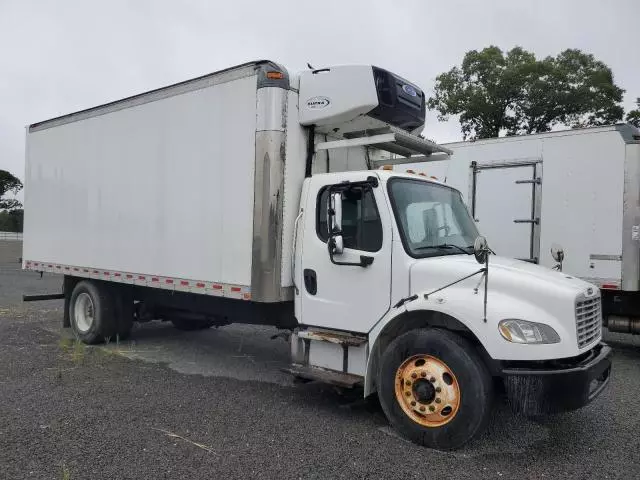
202	287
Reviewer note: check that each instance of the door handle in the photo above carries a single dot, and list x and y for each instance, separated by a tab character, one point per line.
310	281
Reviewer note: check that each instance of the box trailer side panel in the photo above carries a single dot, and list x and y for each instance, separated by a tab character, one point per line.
160	188
582	203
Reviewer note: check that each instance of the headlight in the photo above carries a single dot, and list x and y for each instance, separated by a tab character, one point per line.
521	331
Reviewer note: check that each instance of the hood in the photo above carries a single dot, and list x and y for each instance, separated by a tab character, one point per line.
516	290
508	276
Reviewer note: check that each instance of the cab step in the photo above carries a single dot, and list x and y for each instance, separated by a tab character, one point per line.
338	338
339	379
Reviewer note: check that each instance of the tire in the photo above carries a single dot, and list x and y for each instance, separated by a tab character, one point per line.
92	312
190	325
452	367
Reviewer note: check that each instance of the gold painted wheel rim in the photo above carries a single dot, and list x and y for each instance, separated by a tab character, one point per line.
427	390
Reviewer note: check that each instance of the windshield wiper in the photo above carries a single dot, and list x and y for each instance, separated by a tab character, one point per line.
445	246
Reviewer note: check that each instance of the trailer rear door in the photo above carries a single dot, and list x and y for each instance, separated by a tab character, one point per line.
505	204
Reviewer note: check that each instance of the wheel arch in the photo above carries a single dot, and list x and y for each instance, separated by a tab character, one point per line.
413	320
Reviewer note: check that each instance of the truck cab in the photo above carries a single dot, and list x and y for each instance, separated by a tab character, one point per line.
395	288
388	289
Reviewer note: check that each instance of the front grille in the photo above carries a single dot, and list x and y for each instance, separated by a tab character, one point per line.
588	320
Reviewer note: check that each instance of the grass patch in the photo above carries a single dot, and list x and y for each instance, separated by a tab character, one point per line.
73	349
65	344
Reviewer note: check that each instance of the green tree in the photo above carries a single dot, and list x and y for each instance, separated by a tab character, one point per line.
633	117
514	93
9	184
12	221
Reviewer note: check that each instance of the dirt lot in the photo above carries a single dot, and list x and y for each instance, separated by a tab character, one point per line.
174	405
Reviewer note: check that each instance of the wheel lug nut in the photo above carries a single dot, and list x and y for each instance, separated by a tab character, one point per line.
438	389
438	400
432	379
413	403
422	409
423	374
407	383
432	408
414	376
408	394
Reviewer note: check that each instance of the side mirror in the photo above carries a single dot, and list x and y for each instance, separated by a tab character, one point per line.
481	249
334	223
557	252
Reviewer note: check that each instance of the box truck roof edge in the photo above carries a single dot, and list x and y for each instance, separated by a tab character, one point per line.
629	133
267	70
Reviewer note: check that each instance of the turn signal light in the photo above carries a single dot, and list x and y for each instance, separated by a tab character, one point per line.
275	75
387	167
410	171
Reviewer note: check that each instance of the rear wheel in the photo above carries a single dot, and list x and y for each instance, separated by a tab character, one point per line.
434	388
91	312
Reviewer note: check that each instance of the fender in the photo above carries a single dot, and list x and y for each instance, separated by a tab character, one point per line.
399	320
460	309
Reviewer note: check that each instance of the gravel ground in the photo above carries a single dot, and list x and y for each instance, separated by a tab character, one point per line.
214	405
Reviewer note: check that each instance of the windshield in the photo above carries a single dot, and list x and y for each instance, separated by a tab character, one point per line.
432	218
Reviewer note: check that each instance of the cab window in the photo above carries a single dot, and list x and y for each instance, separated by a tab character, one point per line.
361	224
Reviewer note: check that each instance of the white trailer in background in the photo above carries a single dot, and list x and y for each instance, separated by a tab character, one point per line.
252	195
576	188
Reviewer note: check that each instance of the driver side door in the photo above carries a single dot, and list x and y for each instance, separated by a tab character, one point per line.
346	297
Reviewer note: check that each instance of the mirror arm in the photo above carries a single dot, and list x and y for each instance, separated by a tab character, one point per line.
365	260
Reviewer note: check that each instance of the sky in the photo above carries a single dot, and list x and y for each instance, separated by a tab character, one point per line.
65	55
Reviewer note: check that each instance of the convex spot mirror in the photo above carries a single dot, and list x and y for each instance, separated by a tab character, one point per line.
557	252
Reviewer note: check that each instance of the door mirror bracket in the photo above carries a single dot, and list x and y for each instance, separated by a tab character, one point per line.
365	260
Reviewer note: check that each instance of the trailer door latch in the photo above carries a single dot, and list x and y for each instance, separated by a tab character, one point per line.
528	220
537	181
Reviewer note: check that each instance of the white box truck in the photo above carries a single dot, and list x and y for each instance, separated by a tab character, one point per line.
578	190
253	195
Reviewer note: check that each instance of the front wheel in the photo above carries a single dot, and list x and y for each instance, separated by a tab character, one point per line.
434	388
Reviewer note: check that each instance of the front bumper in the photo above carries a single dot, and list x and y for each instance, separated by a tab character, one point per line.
559	386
